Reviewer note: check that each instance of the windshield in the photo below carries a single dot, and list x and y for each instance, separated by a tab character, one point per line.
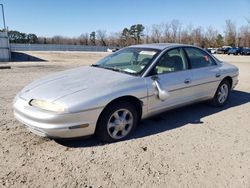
128	60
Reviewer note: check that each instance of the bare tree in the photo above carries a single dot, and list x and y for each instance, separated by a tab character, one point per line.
84	39
102	36
175	26
186	34
114	39
244	36
197	36
167	32
210	37
157	31
147	31
230	33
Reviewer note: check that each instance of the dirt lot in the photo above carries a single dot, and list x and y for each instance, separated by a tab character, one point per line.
195	146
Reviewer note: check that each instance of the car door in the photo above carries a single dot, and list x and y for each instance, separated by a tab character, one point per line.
171	74
205	73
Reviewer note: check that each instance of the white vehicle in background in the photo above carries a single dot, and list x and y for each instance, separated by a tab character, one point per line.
112	49
212	50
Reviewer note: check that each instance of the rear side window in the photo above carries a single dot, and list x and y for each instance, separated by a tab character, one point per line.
199	58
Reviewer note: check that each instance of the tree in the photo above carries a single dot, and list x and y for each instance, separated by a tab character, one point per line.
244	36
14	36
57	39
176	27
92	38
197	37
84	39
32	38
164	32
210	37
17	37
147	34
132	33
139	32
136	32
114	39
156	33
167	32
219	40
125	36
186	34
230	33
101	36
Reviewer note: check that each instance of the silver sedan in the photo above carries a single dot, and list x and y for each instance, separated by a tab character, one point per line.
110	98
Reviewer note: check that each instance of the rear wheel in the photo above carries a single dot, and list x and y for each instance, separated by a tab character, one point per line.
222	94
117	122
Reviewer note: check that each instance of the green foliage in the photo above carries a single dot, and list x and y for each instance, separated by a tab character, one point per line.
219	40
135	33
18	37
92	38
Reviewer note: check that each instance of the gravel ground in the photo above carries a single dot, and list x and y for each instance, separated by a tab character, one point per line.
194	146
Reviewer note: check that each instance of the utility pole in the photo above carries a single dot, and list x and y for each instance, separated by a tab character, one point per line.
3	17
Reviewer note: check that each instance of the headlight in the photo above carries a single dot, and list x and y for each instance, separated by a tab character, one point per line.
45	105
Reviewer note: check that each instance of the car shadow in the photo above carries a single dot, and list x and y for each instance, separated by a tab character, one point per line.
170	120
22	57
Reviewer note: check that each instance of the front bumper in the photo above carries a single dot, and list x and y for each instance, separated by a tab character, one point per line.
49	124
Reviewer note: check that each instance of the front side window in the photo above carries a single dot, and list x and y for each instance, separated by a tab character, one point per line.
199	58
172	61
129	60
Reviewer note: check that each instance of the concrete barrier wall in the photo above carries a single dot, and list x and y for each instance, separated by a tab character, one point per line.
56	47
4	47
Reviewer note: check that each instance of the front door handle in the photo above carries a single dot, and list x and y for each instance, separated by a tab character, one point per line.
217	75
187	81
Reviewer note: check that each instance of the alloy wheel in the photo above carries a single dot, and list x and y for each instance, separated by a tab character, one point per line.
223	93
120	124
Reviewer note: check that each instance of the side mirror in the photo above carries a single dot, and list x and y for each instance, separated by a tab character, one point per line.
161	94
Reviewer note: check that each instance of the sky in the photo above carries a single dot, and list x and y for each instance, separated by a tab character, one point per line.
71	18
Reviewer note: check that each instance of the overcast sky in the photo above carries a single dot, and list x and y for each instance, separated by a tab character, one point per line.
73	17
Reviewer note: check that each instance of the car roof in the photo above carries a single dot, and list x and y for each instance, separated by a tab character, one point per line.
158	46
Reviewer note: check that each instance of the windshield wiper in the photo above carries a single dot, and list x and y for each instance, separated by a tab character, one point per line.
106	67
112	68
95	65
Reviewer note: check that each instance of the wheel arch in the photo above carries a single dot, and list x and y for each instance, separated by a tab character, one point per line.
128	98
229	79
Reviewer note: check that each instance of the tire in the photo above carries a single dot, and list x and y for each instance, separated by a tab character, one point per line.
117	122
222	94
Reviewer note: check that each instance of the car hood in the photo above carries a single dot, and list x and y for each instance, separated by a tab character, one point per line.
62	84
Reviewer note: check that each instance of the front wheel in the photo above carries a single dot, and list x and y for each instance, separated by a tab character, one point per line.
222	94
117	122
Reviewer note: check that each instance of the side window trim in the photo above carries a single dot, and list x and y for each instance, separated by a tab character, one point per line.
187	58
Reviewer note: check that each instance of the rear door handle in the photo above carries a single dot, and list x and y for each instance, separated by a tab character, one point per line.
217	75
187	81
